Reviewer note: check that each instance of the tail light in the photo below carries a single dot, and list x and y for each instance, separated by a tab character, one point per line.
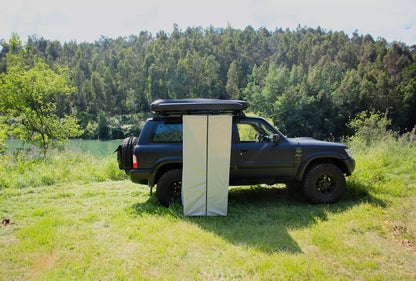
135	165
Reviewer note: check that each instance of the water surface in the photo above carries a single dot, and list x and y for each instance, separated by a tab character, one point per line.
95	147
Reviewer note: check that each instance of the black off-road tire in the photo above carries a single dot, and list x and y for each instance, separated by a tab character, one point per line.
169	188
324	183
125	154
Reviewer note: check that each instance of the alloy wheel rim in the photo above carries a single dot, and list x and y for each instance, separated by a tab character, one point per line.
325	184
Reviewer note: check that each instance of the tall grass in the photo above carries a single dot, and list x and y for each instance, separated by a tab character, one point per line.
385	161
67	225
27	169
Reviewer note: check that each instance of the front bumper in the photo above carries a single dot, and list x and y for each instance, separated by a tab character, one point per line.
350	165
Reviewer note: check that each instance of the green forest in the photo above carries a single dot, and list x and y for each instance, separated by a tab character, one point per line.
309	82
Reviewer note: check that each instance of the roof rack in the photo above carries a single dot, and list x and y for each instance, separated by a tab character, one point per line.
180	107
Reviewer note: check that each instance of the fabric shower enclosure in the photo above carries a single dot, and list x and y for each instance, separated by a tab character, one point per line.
206	164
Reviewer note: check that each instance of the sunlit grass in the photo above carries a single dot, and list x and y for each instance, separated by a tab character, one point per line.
386	167
75	217
19	170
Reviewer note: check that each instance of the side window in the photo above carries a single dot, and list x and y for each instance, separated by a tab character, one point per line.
167	133
254	132
247	132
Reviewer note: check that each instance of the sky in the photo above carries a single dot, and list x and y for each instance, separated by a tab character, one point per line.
88	20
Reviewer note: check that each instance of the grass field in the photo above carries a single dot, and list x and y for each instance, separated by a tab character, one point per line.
73	217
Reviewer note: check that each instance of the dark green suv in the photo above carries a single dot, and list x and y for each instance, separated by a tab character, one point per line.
260	154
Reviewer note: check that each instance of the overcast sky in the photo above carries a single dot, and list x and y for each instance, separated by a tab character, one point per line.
87	20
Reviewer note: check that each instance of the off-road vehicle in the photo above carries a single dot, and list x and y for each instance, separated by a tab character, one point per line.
260	154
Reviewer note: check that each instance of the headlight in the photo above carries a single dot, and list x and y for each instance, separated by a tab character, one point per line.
348	151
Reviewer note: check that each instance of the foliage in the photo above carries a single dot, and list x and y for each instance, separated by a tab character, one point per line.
30	94
4	132
408	88
116	127
370	127
103	128
309	81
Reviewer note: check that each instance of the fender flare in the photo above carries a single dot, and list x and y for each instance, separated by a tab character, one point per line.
162	165
333	157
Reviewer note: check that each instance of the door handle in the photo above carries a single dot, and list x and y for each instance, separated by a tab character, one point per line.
243	151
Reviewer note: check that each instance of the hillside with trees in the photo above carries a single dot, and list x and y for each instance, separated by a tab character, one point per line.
310	82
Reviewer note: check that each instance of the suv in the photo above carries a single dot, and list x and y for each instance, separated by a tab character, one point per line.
260	154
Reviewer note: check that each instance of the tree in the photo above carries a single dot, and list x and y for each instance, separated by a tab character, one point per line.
28	96
276	83
3	133
103	127
407	115
232	88
327	72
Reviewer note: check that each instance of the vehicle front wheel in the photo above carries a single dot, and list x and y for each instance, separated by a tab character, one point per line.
324	183
169	188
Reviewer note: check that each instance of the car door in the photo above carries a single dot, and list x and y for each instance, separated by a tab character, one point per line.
260	159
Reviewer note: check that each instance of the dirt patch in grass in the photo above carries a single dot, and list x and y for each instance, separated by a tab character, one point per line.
400	234
402	224
43	263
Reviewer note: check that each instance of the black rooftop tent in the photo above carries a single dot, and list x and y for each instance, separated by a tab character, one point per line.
192	106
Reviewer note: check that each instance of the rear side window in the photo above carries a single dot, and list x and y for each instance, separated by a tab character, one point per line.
167	133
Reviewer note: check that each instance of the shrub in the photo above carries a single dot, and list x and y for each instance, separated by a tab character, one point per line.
370	127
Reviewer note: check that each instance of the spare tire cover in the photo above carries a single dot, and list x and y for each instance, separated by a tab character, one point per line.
125	153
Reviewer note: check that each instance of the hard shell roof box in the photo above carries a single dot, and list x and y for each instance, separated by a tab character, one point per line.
189	106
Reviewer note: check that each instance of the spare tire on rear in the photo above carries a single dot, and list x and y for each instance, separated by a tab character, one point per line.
125	153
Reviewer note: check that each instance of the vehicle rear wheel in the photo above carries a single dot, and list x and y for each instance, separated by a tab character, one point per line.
324	183
125	153
169	188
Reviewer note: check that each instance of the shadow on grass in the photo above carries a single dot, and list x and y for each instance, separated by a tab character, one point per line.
359	193
262	217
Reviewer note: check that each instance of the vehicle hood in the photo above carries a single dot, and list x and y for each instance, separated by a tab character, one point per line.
306	142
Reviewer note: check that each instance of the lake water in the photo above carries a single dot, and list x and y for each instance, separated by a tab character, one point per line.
95	147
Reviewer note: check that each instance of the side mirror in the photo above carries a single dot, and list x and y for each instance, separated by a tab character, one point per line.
276	138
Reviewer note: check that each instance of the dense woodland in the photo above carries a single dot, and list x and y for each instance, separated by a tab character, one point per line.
310	82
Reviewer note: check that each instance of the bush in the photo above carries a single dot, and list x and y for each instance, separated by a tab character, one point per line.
370	128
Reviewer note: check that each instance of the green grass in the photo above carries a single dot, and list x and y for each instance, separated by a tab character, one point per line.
91	223
21	170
